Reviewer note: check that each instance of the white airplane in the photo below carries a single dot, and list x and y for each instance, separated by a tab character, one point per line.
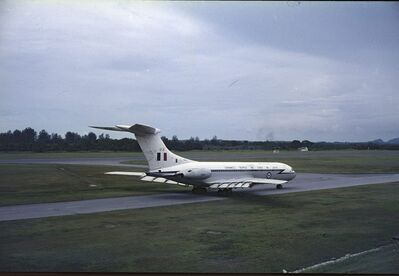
170	168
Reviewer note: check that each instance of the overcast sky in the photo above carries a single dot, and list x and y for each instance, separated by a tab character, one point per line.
238	70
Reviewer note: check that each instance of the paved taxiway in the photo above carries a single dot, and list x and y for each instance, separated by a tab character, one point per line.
303	182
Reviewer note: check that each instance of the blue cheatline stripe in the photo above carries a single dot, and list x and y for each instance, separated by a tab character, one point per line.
249	170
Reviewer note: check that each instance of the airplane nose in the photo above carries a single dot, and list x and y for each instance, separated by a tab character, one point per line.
290	173
293	174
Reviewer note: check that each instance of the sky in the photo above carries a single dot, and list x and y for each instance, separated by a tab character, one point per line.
237	70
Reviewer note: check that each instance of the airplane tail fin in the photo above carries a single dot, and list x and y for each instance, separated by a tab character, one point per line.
157	154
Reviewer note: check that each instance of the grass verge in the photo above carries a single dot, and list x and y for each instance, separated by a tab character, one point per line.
241	234
37	183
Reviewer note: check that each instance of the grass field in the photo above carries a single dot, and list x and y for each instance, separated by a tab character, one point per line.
345	161
79	154
35	183
245	233
241	234
342	161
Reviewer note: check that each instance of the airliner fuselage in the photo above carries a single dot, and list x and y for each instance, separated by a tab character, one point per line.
204	174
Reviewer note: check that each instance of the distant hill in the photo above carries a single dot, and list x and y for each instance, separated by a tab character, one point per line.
378	142
394	141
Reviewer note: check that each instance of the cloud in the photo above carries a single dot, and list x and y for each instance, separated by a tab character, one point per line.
153	62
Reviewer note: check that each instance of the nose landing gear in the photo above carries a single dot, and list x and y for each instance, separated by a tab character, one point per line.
279	186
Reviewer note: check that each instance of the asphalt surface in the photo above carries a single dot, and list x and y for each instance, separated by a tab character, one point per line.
303	182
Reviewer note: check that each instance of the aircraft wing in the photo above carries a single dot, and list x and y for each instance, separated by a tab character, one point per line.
143	176
244	183
231	183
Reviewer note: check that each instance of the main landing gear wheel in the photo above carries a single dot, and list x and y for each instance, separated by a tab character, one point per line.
226	191
279	186
199	190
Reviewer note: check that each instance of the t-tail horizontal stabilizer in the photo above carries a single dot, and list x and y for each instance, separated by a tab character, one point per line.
137	129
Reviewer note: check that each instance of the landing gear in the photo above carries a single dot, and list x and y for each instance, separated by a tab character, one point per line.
279	186
224	192
199	190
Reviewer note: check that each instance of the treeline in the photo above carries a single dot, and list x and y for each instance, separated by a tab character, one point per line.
29	140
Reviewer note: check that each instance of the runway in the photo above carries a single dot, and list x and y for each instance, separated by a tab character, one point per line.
303	182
